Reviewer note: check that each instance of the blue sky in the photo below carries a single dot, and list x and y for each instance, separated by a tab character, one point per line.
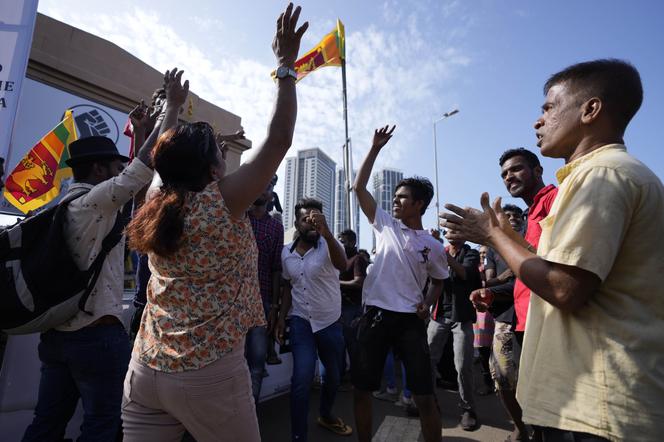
408	63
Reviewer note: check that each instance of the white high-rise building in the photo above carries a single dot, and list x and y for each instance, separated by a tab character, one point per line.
384	183
309	175
340	208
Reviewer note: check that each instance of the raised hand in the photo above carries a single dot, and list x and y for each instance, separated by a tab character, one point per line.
382	136
317	220
176	91
286	43
141	118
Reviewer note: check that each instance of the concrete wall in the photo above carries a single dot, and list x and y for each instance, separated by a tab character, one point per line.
91	67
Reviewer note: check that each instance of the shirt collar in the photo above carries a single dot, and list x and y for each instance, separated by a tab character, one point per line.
543	191
294	245
567	169
417	232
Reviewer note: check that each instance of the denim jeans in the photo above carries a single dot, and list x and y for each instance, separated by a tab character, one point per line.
255	351
89	364
328	343
462	335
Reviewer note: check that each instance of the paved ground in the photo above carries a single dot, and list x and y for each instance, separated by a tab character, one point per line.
390	422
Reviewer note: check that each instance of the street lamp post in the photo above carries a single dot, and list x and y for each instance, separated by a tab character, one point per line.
435	157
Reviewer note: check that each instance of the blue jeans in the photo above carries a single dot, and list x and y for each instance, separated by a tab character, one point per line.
89	364
328	343
255	350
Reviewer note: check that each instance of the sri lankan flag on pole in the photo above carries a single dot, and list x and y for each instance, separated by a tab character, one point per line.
36	179
330	51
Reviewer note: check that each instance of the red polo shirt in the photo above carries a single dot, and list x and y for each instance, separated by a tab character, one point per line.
536	212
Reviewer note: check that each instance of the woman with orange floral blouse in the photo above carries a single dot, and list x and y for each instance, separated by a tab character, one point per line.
188	370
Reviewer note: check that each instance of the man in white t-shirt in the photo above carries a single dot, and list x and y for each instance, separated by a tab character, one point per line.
393	296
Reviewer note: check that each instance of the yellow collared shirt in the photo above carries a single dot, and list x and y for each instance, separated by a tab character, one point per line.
600	370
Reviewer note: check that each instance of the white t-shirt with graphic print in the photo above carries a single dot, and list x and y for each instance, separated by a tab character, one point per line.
404	259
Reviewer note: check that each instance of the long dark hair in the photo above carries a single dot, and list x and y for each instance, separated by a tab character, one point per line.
182	157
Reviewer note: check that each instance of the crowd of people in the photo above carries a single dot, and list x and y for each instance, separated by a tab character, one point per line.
563	301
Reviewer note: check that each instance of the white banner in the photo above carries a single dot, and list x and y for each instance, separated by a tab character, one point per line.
17	23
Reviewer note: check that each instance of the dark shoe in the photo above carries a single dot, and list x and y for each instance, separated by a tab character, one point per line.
412	411
469	420
273	360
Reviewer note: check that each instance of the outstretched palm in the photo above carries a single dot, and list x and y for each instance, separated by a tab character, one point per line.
176	91
382	136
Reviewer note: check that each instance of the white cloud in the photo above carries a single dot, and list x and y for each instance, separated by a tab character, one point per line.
395	76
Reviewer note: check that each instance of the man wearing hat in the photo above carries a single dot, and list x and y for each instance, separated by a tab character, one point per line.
87	356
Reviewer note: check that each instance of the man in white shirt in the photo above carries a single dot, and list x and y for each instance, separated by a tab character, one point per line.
393	295
312	302
87	356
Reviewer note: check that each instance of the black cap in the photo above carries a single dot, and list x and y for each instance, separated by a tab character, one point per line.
88	149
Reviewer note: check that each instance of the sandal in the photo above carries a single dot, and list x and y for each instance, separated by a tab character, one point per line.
338	427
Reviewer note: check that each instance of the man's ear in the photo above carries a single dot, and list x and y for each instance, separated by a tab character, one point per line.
420	205
591	110
539	171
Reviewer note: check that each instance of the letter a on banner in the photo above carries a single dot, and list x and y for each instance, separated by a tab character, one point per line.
17	23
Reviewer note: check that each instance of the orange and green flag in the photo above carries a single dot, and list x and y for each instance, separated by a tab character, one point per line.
330	51
36	179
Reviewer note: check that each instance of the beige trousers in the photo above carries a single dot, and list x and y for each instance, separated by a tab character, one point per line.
213	403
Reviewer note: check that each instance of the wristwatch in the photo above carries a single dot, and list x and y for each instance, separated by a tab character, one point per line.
285	72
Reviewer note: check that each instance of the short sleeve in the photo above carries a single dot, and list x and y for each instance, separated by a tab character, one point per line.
360	266
285	251
588	226
381	219
437	263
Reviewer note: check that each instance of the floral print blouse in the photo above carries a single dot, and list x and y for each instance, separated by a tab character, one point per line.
203	299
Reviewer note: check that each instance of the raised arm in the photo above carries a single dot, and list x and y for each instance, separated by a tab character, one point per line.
176	94
364	197
242	187
335	249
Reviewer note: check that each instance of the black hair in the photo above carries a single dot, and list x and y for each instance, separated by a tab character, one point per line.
307	203
349	234
513	208
421	189
616	82
81	171
530	157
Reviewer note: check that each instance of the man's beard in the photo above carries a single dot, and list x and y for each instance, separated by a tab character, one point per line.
310	236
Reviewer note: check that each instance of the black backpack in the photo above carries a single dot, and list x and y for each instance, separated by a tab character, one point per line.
41	286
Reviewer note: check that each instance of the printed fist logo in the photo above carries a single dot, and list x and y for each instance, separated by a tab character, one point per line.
94	121
92	124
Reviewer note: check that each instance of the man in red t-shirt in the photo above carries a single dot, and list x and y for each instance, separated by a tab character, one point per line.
521	172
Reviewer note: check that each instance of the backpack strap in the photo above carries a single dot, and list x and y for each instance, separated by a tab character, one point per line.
110	241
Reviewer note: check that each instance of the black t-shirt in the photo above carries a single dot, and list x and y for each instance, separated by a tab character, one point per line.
454	304
502	310
357	266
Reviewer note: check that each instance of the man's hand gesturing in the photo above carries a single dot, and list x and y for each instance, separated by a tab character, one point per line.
382	136
140	118
286	43
317	220
176	92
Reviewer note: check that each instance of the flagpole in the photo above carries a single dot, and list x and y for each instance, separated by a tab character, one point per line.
348	221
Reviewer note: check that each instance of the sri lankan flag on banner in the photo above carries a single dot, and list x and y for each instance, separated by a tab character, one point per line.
36	179
330	51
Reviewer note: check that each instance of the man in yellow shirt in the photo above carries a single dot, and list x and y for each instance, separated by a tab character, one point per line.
592	366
